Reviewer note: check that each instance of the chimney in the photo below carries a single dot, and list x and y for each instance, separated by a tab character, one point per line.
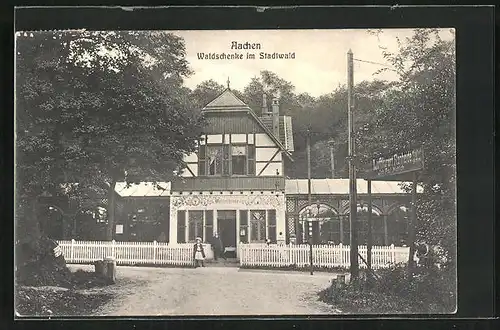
264	105
276	117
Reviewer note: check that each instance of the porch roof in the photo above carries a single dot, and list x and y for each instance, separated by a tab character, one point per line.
341	187
292	187
143	189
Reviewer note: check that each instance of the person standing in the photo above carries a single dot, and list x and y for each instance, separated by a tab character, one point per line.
217	247
198	253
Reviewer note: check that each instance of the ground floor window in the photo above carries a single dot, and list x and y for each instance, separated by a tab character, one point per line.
258	226
262	226
195	222
271	226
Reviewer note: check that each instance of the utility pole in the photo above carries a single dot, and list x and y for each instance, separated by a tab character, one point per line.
331	144
412	227
309	199
354	269
369	241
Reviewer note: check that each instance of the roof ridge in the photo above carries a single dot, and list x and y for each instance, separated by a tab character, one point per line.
213	103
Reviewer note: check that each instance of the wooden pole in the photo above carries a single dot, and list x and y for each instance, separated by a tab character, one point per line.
369	241
412	226
331	143
354	267
309	199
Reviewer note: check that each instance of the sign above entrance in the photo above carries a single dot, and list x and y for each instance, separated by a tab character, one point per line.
396	166
246	200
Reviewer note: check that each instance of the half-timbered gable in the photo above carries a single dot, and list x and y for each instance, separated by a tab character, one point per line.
234	185
236	143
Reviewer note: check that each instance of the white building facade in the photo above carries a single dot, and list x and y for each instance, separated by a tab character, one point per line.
234	185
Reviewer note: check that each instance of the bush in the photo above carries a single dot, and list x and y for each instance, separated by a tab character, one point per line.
432	291
37	265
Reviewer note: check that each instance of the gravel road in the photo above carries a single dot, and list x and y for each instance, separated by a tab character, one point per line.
143	291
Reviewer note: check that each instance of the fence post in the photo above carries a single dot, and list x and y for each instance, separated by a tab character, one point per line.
154	252
393	254
113	248
72	253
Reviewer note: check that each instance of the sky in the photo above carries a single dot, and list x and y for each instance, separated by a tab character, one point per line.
320	63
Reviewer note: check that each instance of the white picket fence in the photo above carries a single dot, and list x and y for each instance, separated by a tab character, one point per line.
324	256
253	255
129	253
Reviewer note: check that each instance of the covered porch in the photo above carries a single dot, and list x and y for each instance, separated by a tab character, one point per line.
328	213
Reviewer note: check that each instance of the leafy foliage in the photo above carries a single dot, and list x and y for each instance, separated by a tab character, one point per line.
96	107
205	92
421	113
431	291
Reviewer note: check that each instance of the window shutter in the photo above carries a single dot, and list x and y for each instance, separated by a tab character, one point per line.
202	160
251	159
271	226
209	224
181	226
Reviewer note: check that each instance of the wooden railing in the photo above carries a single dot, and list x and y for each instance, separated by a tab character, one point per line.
324	256
130	253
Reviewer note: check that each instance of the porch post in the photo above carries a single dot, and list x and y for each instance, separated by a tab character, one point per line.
341	218
237	229
386	235
369	241
186	231
172	239
215	228
413	225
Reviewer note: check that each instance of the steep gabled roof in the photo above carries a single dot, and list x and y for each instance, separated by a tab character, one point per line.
228	102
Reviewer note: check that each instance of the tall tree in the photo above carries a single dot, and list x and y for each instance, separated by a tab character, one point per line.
206	91
421	113
96	107
272	85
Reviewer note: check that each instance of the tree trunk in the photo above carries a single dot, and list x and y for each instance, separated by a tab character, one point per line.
27	226
27	231
111	210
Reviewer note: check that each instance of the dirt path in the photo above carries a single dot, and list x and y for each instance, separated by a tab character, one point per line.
144	291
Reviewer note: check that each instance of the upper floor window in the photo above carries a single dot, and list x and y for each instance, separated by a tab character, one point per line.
226	160
214	160
239	160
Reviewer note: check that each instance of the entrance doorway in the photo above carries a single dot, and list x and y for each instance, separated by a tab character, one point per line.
226	226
